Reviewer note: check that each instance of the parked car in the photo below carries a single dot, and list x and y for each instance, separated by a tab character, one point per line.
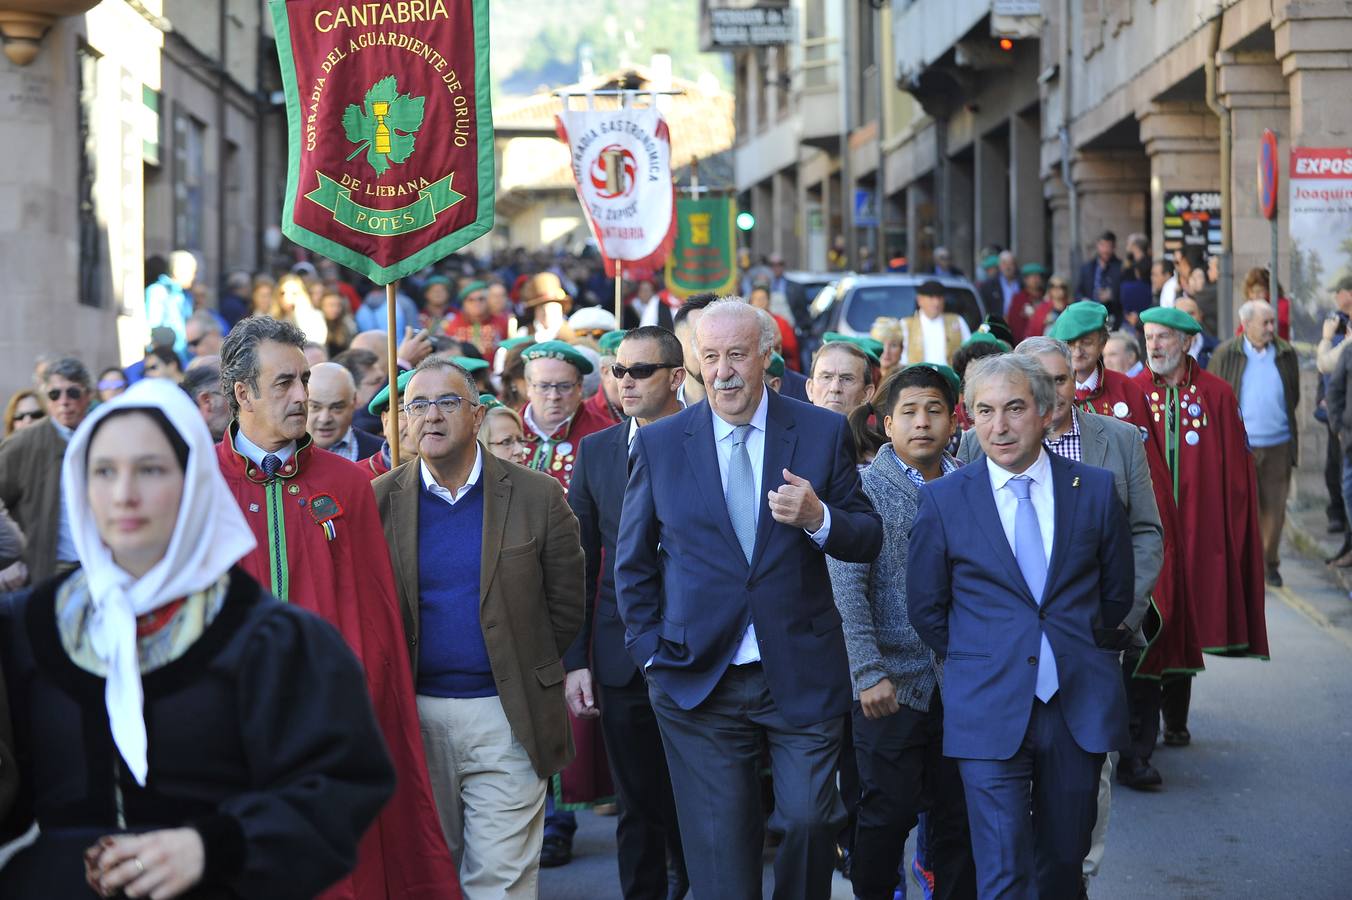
852	304
801	290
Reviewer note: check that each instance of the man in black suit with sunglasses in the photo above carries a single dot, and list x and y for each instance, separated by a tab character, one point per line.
602	678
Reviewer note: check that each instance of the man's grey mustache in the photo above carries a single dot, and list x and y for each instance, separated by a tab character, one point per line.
729	384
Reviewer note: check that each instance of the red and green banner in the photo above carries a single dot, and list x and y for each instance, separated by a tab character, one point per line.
705	255
390	160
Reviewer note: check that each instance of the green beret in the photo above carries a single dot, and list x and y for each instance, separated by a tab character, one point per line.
991	261
436	279
776	367
1033	269
561	351
985	337
1169	317
609	344
382	400
488	401
470	364
1080	318
947	372
472	287
872	349
512	343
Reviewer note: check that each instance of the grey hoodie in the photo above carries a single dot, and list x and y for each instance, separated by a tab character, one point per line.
879	638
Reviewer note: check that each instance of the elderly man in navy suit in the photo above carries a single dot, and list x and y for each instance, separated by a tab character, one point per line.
730	511
1021	596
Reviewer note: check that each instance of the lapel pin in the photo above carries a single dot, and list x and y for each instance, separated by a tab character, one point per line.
1076	482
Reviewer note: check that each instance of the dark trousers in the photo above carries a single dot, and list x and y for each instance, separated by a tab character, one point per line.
1143	709
1032	815
714	755
902	770
849	781
1175	698
1333	478
646	831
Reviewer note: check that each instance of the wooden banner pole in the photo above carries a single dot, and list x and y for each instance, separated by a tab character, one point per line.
619	292
392	428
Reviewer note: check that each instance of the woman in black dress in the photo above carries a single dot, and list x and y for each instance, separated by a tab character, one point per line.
178	731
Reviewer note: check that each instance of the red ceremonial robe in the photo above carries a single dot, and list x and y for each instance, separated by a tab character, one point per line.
601	406
334	561
1205	447
1174	647
586	780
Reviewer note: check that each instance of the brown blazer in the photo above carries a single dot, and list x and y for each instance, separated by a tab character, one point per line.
30	486
530	593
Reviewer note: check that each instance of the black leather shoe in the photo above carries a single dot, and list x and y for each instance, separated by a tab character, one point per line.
1337	526
1274	577
556	851
1180	738
1138	775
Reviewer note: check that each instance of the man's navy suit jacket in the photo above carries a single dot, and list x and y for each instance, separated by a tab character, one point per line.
596	495
970	604
686	592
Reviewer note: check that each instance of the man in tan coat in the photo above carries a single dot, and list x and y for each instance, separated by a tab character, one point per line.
489	568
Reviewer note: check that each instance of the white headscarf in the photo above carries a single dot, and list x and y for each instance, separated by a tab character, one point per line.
209	537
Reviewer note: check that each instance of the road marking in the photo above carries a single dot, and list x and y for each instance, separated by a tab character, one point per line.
1314	615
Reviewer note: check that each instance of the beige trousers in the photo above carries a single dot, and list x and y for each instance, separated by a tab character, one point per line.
491	802
1273	465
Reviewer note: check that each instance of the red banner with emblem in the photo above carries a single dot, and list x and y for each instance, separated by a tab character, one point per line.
390	145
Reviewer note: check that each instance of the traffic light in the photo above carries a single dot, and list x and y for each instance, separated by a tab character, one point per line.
746	221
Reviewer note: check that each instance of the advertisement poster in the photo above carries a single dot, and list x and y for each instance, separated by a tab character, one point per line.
1320	214
1192	219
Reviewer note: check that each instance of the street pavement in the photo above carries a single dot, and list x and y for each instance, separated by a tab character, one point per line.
1259	806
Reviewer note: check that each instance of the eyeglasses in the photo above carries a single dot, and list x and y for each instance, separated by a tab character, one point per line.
560	387
513	442
30	416
72	393
640	372
449	405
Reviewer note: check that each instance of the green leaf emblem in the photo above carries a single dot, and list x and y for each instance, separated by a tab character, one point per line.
384	125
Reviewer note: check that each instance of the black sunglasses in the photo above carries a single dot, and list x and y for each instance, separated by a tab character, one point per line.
72	393
639	372
30	416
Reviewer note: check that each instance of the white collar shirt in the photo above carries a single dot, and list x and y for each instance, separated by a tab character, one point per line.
445	494
1041	493
1090	383
254	453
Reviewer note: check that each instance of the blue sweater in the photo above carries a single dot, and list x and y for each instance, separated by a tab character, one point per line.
452	658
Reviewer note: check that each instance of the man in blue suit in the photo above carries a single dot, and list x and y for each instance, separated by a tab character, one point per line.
1020	596
602	680
721	580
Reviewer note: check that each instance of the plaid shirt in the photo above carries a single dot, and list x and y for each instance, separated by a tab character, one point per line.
948	463
1068	444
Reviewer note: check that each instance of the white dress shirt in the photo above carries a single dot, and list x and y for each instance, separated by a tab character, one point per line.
1040	493
749	650
1090	383
254	453
1169	291
65	540
449	496
935	335
647	312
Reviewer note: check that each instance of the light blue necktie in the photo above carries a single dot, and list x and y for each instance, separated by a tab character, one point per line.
1028	551
741	492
